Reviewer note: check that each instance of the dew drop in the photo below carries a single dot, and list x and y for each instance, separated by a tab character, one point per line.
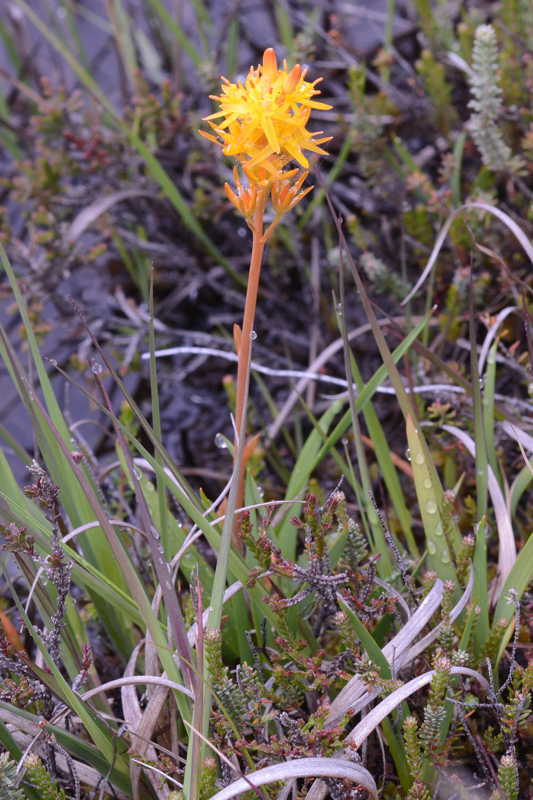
491	358
160	549
426	483
137	474
211	608
480	471
432	548
431	506
44	579
168	584
408	454
485	400
154	532
221	442
160	561
439	530
445	557
420	458
339	309
253	335
97	369
53	362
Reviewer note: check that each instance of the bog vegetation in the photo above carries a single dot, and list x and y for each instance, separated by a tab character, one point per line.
308	577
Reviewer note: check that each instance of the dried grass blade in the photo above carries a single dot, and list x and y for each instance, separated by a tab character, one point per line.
507	548
303	768
90	213
388	704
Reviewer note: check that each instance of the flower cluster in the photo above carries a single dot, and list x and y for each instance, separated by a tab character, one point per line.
264	121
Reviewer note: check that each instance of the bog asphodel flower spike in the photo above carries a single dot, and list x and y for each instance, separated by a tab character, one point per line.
263	125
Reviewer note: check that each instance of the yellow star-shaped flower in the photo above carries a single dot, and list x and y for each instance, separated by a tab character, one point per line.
265	120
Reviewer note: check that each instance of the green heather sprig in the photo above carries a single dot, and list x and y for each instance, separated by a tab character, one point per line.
41	779
487	100
227	693
507	775
8	777
435	710
446	633
415	760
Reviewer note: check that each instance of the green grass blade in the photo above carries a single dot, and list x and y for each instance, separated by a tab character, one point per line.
518	578
388	470
480	589
488	410
482	473
385	566
430	508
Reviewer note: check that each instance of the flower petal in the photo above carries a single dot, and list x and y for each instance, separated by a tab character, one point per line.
270	133
261	156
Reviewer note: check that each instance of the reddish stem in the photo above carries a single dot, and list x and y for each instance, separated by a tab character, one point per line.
247	328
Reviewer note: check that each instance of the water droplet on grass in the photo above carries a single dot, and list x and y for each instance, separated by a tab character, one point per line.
426	483
445	557
420	458
97	368
253	335
431	506
491	358
53	362
439	530
432	548
221	442
408	454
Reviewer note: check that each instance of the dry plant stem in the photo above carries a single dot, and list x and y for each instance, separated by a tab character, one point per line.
247	328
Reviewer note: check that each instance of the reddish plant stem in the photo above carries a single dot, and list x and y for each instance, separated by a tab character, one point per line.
247	328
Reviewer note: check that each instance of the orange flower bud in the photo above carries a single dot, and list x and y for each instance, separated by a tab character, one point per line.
291	81
270	64
231	197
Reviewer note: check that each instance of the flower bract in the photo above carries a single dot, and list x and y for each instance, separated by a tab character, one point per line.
263	123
